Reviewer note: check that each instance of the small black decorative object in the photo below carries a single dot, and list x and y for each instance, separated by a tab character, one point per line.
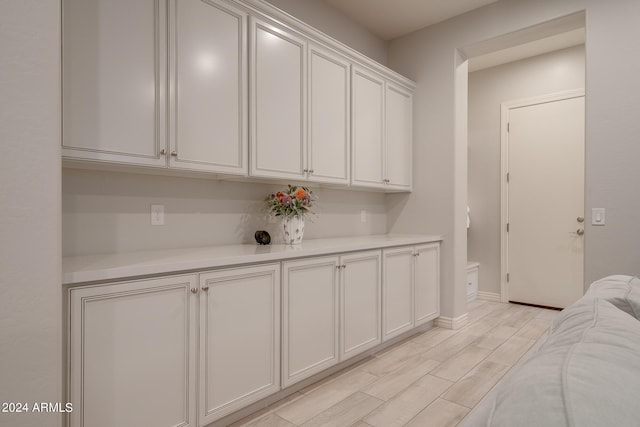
262	237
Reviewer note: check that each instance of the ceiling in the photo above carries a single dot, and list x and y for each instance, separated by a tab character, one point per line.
389	19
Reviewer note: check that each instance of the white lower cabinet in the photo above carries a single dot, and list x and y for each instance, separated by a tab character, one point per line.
133	348
133	353
310	317
239	338
188	350
411	288
360	307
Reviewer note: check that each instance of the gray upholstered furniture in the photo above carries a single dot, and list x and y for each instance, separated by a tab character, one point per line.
585	372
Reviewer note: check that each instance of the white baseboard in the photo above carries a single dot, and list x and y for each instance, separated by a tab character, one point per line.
489	296
452	323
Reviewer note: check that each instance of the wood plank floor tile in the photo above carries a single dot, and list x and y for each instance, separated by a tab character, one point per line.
270	420
520	318
440	413
450	346
393	383
391	360
346	412
324	397
434	336
511	351
251	419
473	386
496	337
534	329
461	363
399	410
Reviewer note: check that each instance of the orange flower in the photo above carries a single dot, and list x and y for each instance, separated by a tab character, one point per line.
300	194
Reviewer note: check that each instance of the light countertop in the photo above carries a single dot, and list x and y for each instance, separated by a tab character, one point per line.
94	268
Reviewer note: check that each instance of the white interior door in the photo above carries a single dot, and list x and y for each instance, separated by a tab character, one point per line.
546	202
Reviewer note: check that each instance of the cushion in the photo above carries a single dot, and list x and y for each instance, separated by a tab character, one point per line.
586	373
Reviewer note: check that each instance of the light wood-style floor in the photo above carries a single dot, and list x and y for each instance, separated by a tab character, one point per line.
431	379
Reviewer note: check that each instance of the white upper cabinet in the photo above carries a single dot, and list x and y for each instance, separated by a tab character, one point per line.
208	86
114	62
368	129
231	87
399	140
382	132
115	105
278	64
329	122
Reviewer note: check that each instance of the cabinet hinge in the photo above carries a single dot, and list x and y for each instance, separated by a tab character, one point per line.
507	227
508	127
507	176
507	277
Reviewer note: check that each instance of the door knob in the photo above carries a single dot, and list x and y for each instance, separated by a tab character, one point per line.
580	231
580	219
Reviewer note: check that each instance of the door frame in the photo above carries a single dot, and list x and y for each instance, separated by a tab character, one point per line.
505	107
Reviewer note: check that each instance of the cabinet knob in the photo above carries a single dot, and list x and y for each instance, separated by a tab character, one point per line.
163	152
205	288
310	170
305	170
194	290
174	153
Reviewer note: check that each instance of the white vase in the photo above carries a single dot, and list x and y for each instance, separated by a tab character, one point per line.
293	229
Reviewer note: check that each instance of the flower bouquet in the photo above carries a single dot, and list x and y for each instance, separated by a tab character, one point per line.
291	204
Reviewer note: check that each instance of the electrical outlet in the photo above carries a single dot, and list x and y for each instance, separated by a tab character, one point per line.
363	216
157	214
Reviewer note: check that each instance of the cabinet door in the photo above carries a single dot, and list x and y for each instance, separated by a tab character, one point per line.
367	128
399	140
208	86
239	338
397	291
132	353
310	316
360	293
277	102
427	283
113	77
329	134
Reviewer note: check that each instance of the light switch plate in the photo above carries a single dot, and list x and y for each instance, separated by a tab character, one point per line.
597	216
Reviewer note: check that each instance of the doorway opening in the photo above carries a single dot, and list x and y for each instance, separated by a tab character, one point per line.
544	59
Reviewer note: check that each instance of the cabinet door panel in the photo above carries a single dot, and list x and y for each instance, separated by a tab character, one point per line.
239	338
329	92
278	96
397	296
368	129
132	353
208	80
113	69
399	140
310	317
360	303
427	283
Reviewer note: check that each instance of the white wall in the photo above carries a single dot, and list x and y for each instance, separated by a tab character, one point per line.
544	74
327	19
105	212
612	127
30	290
